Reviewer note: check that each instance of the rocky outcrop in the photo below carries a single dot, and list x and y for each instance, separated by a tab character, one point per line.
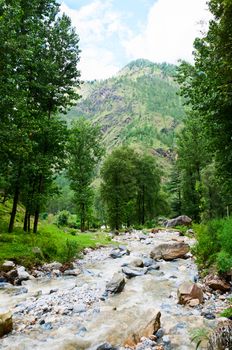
189	291
179	220
170	251
217	283
116	284
221	338
146	331
6	323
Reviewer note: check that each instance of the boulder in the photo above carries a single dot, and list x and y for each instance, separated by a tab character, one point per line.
217	283
170	251
131	271
6	323
106	346
11	276
137	263
189	291
116	284
23	275
72	272
145	331
221	338
118	253
7	266
179	220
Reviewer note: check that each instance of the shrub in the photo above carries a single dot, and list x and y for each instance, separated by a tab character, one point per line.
227	313
62	218
224	262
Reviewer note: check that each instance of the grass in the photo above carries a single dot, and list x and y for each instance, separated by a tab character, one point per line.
49	244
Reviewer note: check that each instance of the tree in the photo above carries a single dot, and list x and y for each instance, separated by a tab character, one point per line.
39	73
207	86
130	187
118	186
84	154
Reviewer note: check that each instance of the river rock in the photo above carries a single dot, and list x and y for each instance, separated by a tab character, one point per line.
106	346
7	266
132	271
6	323
137	263
52	266
170	251
145	331
179	220
116	284
73	272
221	339
189	291
217	283
12	276
23	275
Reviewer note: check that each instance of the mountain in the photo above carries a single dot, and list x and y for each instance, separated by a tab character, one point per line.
138	106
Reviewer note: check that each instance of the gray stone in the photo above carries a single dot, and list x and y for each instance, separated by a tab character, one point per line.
7	266
23	275
170	251
179	220
79	308
116	284
106	346
160	333
131	271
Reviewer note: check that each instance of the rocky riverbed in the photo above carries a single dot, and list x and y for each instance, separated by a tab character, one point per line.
77	308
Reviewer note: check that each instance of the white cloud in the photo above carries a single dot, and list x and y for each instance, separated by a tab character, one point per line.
171	28
96	23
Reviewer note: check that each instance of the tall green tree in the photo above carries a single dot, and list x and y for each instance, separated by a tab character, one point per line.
207	87
39	72
84	153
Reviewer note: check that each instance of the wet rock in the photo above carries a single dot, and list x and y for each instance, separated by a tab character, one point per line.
179	220
12	276
116	284
148	262
131	271
81	331
188	291
170	251
106	346
7	266
74	272
6	323
53	290
221	339
145	331
137	263
118	253
160	333
217	283
47	326
208	315
194	302
52	266
23	275
22	290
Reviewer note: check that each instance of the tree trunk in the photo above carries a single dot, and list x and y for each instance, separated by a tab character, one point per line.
143	207
36	220
29	223
25	221
14	209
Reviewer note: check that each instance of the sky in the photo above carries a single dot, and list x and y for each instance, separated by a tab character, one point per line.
114	32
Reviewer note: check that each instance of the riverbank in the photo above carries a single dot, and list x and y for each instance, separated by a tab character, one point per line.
67	312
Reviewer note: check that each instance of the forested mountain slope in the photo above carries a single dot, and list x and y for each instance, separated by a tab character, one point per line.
139	105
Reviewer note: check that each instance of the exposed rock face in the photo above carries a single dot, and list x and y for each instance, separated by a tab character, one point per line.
179	220
221	339
217	283
116	284
170	251
148	330
189	291
6	324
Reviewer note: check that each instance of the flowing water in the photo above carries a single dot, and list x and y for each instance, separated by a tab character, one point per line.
109	320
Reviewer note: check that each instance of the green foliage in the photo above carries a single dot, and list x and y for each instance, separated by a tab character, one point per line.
130	187
53	243
227	313
63	218
199	335
84	152
214	244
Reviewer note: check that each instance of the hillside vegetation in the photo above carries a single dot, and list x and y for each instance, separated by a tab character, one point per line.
138	106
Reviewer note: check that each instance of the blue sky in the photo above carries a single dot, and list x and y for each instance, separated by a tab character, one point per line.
114	32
